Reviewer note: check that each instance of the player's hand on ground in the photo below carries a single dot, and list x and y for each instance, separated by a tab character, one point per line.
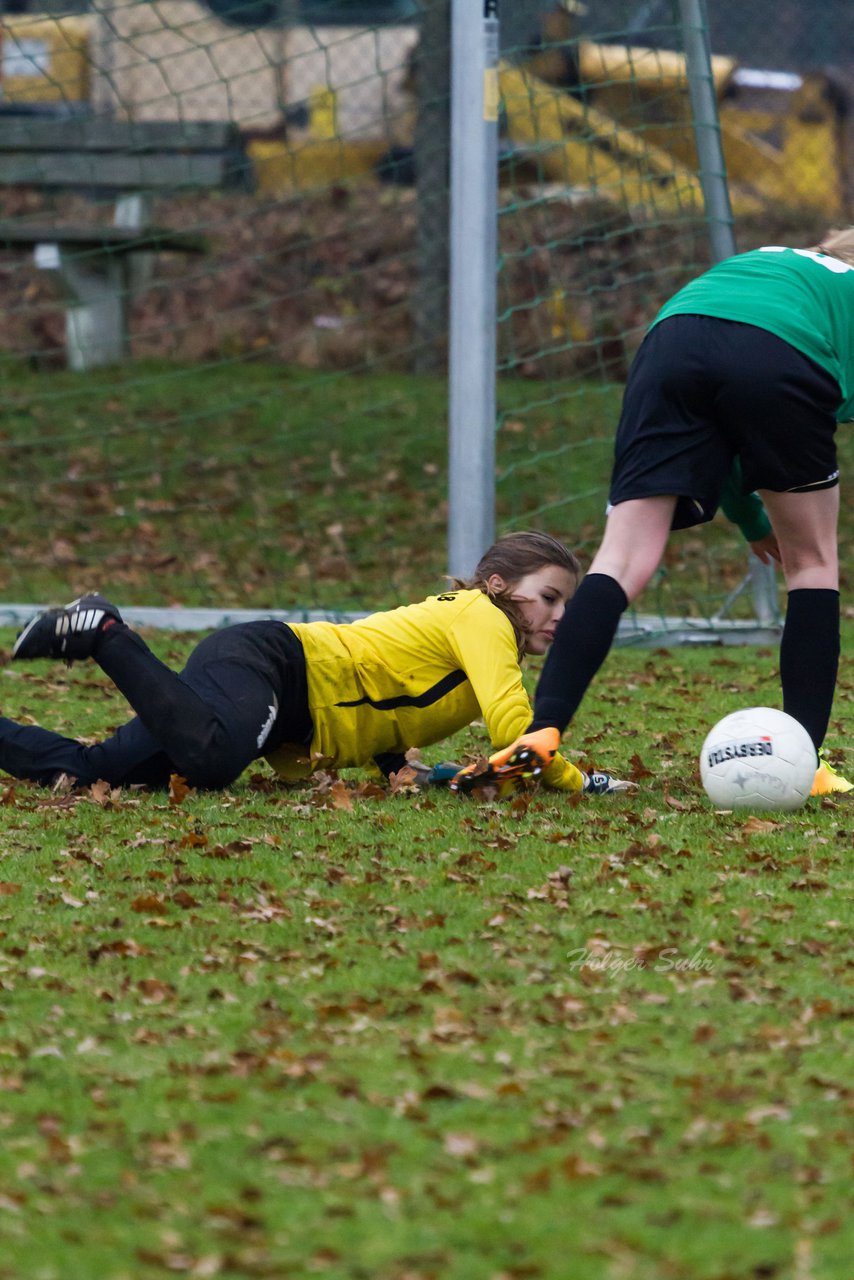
766	549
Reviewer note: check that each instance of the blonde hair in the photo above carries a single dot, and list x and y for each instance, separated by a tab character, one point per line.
512	558
838	244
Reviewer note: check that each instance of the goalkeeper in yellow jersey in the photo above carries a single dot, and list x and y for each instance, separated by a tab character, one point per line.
315	694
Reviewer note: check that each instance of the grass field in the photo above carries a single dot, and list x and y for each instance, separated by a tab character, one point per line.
252	485
333	1031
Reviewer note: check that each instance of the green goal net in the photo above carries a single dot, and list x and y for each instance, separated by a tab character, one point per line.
247	205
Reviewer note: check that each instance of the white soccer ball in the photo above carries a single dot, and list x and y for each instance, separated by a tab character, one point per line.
758	759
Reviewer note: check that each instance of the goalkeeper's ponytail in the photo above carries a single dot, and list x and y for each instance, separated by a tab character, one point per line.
512	558
838	244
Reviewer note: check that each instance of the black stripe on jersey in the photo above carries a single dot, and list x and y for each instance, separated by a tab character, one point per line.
425	699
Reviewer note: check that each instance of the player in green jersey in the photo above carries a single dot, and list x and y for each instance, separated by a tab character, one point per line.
752	362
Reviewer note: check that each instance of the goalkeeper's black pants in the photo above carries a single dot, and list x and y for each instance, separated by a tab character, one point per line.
242	693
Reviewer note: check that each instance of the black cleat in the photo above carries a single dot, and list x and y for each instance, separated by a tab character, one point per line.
70	633
602	784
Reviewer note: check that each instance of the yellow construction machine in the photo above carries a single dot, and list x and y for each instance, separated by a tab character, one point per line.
616	119
604	119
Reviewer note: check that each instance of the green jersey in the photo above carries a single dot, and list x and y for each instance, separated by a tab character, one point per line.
804	297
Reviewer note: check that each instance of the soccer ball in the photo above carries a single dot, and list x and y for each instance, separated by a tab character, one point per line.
758	759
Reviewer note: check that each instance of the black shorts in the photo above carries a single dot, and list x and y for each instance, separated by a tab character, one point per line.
269	653
701	391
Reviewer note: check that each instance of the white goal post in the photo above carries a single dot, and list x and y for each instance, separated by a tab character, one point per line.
473	270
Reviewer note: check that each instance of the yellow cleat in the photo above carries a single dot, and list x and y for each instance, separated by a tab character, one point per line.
526	758
828	781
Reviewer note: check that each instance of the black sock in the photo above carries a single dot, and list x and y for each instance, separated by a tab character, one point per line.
581	645
809	658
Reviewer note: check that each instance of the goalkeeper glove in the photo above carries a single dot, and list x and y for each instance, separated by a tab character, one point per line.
526	758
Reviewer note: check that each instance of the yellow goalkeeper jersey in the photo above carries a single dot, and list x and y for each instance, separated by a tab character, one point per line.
409	677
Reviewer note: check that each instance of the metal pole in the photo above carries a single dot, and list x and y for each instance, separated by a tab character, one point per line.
707	130
473	253
432	204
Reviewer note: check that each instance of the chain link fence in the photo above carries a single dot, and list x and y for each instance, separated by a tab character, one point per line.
336	261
